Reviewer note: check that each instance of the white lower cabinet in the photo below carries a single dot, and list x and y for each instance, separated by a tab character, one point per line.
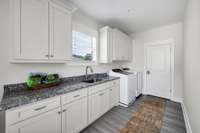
94	108
114	93
69	113
74	116
49	122
104	101
98	105
114	96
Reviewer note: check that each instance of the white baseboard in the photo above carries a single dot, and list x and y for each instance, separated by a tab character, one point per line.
178	100
186	118
185	113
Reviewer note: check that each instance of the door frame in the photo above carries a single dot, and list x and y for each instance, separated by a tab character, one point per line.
160	43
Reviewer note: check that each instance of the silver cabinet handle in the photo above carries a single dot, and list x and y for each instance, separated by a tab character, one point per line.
59	112
52	55
47	55
77	96
37	109
148	72
64	110
101	94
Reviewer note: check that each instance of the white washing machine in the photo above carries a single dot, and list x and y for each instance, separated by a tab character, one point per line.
139	80
128	86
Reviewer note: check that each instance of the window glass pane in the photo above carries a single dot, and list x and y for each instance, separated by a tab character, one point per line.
83	46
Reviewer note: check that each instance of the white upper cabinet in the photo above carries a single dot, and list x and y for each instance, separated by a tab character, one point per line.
122	47
30	29
114	45
128	48
106	43
60	33
41	31
34	29
117	39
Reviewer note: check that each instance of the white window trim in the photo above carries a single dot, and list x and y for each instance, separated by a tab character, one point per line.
77	63
93	32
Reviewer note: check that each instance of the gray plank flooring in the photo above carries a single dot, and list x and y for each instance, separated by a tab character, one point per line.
116	119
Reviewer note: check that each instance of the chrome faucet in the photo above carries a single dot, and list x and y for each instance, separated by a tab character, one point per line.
86	71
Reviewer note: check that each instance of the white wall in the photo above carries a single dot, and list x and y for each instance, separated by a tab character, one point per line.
173	31
192	63
14	73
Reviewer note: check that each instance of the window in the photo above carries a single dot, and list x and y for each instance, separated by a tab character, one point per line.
83	47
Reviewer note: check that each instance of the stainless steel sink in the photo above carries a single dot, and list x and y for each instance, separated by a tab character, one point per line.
92	80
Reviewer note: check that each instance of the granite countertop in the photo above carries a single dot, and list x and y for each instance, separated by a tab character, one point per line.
16	95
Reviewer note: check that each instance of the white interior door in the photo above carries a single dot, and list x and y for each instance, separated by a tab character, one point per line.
158	70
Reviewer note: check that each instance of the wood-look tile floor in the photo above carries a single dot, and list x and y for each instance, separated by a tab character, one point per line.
116	119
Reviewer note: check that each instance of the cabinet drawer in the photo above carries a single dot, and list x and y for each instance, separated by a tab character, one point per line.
67	98
22	113
98	88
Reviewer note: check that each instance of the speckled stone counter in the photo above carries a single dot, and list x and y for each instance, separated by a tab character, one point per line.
16	95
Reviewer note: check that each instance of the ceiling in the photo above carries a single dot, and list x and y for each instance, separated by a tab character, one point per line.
133	15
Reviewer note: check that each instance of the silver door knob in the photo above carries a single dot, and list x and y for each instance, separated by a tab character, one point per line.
148	72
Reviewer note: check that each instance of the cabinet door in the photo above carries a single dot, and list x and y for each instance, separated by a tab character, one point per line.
110	45
123	47
49	122
74	116
119	45
116	45
130	49
60	33
106	42
127	48
94	107
98	105
105	106
114	95
30	29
